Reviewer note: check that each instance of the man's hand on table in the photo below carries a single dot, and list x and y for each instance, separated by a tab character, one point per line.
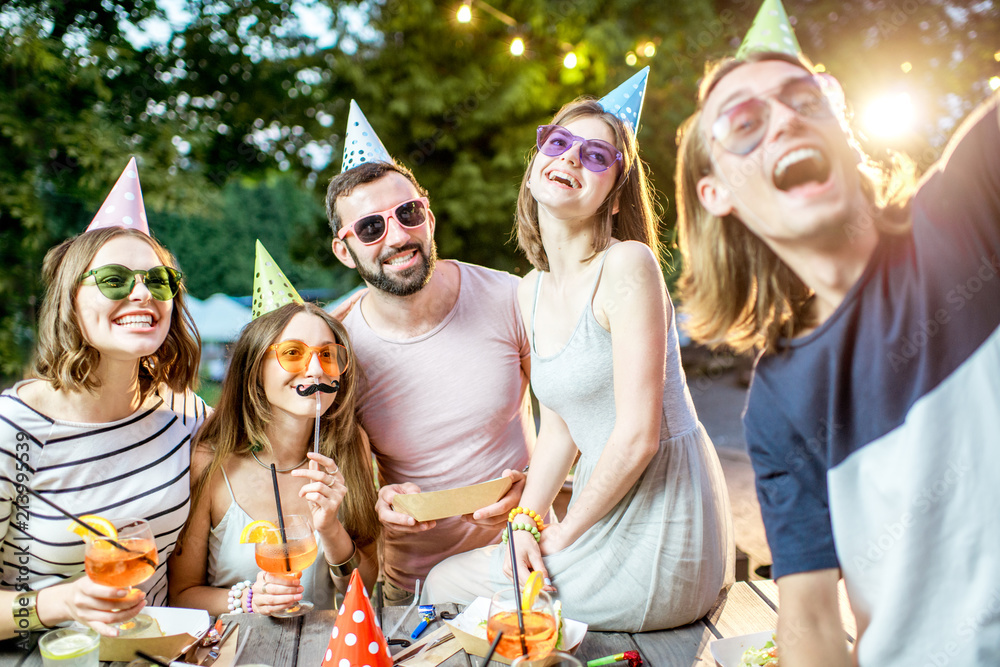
397	522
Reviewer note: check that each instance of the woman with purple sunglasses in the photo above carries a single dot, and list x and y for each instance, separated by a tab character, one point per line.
647	540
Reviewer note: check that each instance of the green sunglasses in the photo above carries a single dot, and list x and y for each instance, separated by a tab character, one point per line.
116	281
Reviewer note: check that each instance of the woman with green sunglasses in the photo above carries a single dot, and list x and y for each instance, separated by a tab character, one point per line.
102	426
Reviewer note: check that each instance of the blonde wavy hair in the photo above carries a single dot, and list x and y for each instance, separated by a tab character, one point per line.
636	219
733	287
243	412
64	358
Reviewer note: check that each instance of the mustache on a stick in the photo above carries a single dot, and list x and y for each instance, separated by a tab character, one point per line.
313	388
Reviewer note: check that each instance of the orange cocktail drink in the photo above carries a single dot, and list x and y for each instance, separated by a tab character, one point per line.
539	625
285	559
125	556
288	555
108	565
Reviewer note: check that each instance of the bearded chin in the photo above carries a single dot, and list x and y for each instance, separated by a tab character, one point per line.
403	284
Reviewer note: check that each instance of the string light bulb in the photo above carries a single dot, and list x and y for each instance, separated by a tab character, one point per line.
649	49
631	59
464	14
906	67
569	62
517	47
994	82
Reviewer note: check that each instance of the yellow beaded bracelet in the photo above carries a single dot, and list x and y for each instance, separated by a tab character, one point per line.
530	513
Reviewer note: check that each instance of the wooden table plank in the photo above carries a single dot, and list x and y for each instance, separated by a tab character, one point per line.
680	647
743	612
272	641
769	590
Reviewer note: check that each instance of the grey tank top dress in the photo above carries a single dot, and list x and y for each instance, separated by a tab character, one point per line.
662	555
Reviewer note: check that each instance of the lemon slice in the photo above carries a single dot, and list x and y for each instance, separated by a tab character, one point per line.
98	523
260	531
532	587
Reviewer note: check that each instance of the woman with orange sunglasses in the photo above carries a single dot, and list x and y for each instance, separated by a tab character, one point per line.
284	359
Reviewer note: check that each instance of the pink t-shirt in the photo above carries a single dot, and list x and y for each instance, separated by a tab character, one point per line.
447	408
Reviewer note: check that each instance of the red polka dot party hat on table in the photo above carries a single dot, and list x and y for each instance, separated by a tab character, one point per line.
123	206
357	639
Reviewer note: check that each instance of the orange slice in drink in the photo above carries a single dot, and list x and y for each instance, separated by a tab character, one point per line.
98	523
532	587
260	531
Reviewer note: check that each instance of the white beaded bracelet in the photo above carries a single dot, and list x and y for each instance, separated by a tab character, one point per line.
236	596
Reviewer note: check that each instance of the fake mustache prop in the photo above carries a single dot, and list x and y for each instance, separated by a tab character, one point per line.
313	388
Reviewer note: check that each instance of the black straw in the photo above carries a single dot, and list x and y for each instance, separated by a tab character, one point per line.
281	517
517	587
86	525
493	647
148	658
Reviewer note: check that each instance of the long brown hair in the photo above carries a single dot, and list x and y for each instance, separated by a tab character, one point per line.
243	412
733	287
63	356
635	220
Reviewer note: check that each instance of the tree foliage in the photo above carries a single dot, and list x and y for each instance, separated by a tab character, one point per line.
236	117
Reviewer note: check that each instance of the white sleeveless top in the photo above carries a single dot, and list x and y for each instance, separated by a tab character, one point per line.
230	562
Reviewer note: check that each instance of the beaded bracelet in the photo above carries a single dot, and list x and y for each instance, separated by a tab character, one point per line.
519	526
235	603
249	599
529	513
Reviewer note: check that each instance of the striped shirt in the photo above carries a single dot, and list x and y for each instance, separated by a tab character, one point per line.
134	467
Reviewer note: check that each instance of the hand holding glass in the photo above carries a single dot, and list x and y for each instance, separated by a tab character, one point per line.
123	562
286	559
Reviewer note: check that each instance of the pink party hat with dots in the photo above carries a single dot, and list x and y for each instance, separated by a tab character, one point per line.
357	639
123	206
361	144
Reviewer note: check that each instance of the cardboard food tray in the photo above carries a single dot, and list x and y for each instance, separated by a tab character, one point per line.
471	634
451	502
180	627
729	652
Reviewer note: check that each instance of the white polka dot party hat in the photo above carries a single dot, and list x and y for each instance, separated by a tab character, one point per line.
361	144
357	639
625	101
271	289
771	31
123	206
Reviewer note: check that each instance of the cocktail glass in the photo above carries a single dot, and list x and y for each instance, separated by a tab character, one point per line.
539	624
285	559
70	647
123	562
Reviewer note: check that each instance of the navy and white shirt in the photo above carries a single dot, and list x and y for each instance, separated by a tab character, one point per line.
876	438
134	467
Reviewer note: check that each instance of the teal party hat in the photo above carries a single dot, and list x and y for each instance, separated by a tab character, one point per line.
625	101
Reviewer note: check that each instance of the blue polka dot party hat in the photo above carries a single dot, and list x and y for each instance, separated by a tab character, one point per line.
361	144
625	101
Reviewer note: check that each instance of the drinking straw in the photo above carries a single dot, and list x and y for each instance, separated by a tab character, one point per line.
493	647
72	517
281	517
316	424
148	658
517	587
416	598
246	640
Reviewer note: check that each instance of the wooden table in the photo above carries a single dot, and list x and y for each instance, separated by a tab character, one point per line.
301	642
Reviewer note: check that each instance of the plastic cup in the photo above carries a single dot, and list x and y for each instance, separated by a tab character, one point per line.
70	647
553	659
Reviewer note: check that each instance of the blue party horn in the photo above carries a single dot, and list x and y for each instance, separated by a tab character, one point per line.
426	616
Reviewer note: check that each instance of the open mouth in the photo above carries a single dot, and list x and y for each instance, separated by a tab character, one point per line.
135	321
563	178
400	258
800	167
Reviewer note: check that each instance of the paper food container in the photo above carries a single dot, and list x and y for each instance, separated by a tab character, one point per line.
729	652
451	502
469	629
180	627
